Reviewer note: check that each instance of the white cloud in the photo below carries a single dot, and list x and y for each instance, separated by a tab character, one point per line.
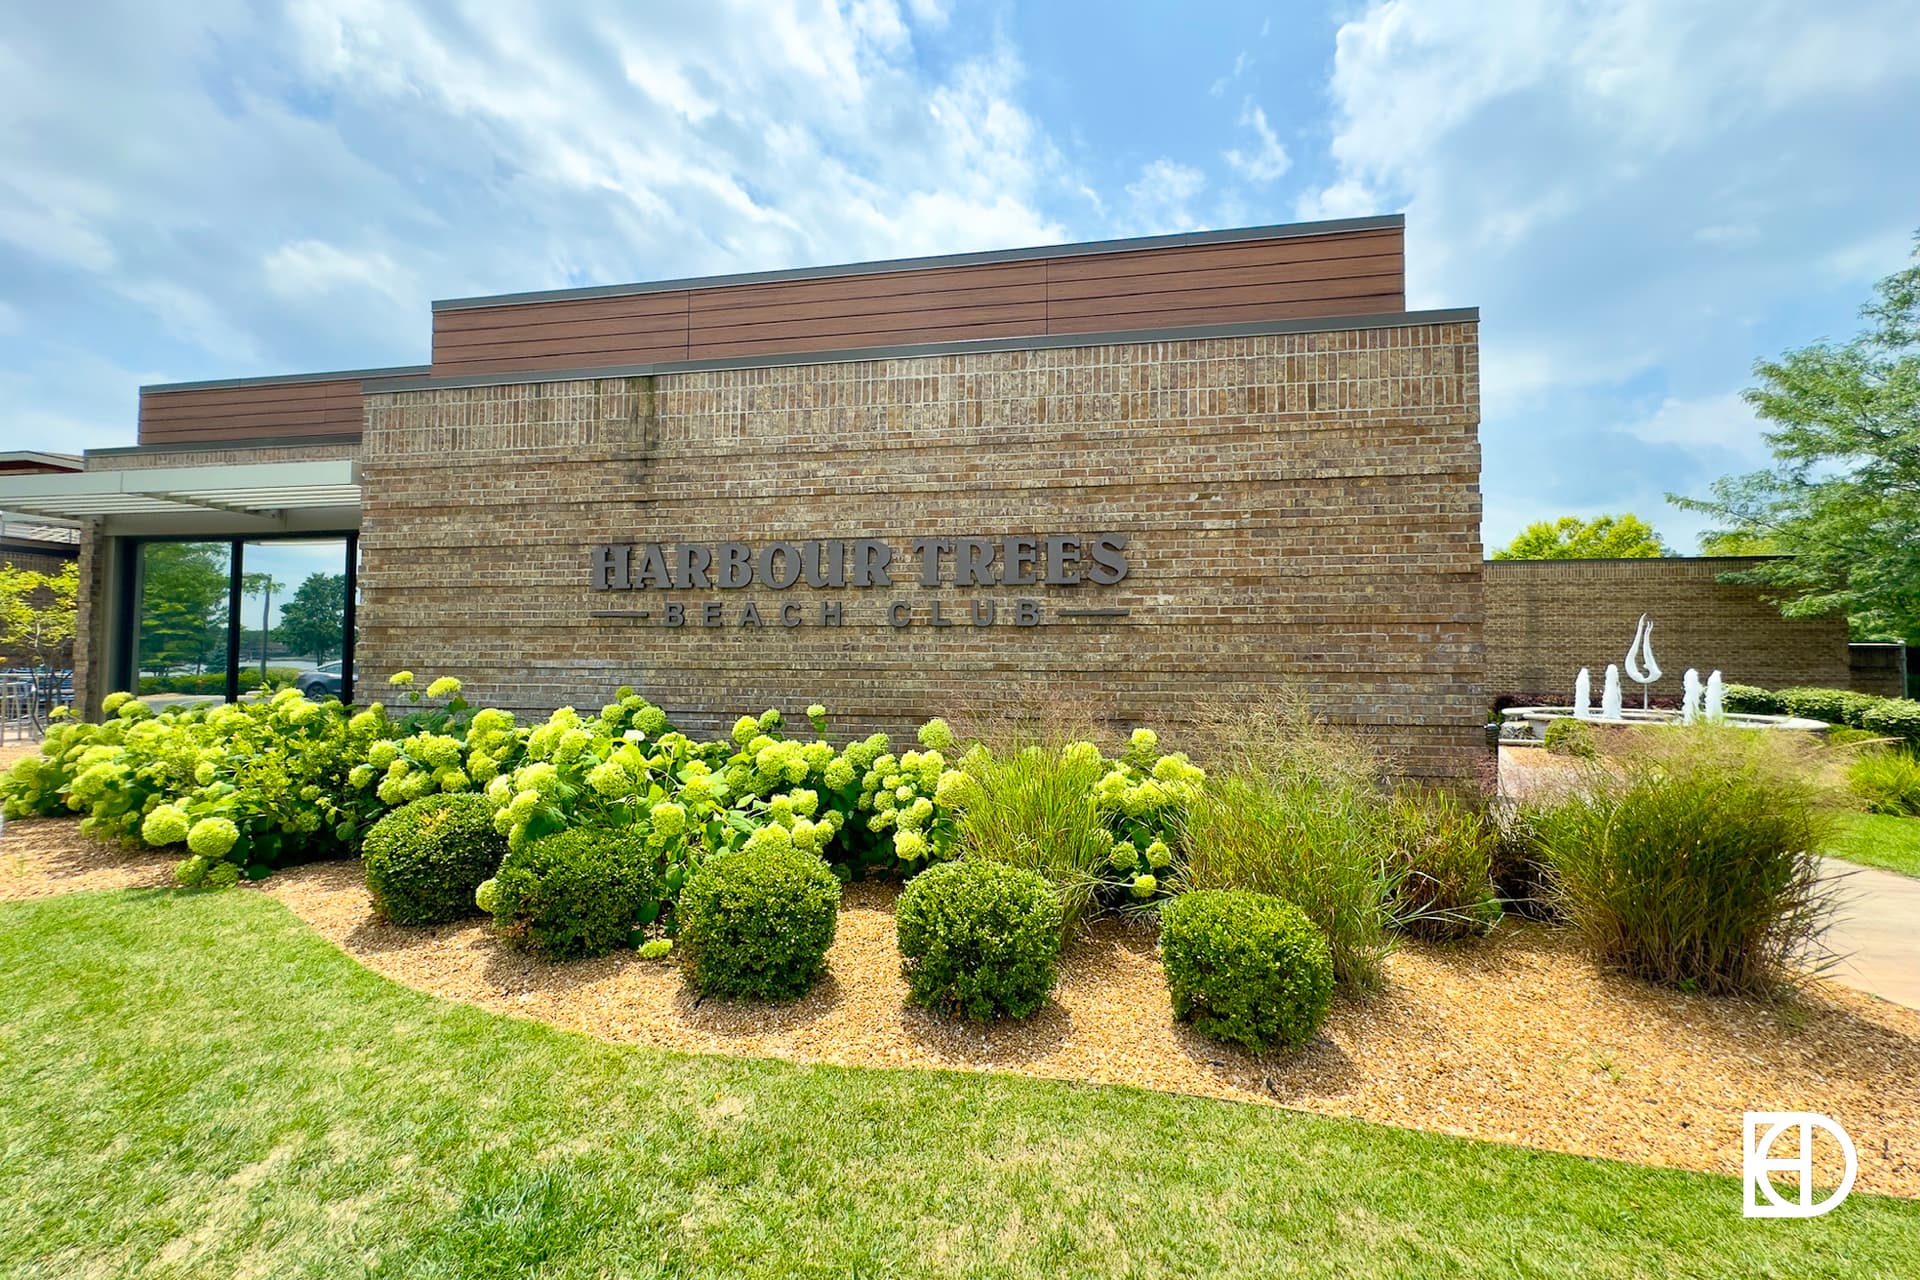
308	268
1265	162
1718	421
1634	194
1160	197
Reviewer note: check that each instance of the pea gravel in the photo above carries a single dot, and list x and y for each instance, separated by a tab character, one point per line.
1514	1038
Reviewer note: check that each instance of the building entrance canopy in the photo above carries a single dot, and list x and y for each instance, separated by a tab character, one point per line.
159	500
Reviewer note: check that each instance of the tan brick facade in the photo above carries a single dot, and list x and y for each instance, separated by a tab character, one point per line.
1548	618
1301	509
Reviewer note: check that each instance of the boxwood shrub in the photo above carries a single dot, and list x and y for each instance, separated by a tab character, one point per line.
424	860
979	938
756	923
1246	967
578	892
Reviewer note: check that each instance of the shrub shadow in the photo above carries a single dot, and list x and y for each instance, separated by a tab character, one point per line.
1004	1042
751	1019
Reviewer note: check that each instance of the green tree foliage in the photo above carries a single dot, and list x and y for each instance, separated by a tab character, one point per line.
311	622
1571	538
37	616
1842	499
183	604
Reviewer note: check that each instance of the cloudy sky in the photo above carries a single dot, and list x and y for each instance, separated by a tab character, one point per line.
1642	197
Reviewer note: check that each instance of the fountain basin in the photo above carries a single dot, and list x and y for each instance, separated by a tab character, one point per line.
1529	724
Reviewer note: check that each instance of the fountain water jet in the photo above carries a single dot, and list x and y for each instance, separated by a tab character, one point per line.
1610	695
1582	695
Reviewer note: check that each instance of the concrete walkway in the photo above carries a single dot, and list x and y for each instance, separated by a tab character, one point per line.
1876	931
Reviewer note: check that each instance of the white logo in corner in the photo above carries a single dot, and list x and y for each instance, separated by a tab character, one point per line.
1762	1129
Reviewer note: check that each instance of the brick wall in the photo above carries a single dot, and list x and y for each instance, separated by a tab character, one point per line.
1302	509
1548	618
46	558
222	456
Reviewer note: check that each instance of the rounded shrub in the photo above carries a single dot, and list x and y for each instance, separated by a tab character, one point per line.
425	860
1246	967
757	923
979	938
578	892
1569	737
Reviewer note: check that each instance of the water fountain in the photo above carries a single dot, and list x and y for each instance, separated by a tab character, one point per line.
1698	702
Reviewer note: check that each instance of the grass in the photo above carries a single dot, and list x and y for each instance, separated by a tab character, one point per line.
196	1084
1878	840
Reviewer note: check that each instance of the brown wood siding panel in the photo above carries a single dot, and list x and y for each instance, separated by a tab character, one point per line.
263	411
1121	321
1244	253
1259	274
638	329
840	342
1212	296
1350	273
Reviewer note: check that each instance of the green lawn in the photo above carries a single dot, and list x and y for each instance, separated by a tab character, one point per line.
197	1085
1878	840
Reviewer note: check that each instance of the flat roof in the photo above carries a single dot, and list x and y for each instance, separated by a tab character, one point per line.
1277	231
287	379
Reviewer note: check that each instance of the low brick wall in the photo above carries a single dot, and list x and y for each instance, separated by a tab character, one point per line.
1298	509
1548	618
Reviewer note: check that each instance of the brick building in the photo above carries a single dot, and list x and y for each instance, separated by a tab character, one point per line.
1130	474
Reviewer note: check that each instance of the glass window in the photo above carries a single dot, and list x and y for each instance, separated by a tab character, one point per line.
182	617
293	606
212	617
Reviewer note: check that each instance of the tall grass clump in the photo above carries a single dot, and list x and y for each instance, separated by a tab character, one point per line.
1294	807
1447	846
1886	781
1693	861
1033	808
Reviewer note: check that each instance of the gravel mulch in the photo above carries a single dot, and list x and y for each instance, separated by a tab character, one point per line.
44	856
1514	1038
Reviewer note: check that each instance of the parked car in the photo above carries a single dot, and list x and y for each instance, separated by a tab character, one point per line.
324	681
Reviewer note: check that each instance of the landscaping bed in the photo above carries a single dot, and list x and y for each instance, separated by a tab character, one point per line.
1514	1038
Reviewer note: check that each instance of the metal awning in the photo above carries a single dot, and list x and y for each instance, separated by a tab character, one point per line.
264	490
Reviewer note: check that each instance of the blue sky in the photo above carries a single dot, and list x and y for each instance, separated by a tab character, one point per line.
1641	197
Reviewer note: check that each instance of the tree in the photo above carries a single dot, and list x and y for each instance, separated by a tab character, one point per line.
1841	502
37	616
183	604
311	622
1571	538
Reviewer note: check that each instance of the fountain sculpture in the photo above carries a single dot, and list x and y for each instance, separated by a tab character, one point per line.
1641	664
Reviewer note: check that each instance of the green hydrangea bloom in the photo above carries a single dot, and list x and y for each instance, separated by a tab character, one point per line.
669	819
167	824
651	721
213	837
937	734
909	845
444	687
400	678
487	896
1144	886
745	729
768	839
222	875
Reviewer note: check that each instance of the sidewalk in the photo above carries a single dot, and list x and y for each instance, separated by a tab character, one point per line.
1876	931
